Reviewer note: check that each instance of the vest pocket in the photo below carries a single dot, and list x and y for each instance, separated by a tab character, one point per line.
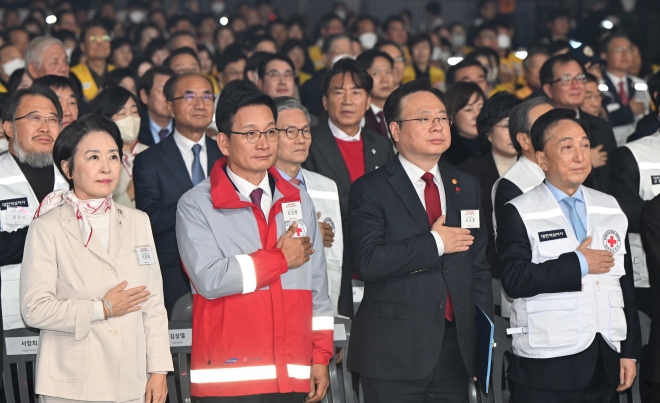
68	359
617	328
553	322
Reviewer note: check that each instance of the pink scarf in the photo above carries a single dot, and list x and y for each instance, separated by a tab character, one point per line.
81	207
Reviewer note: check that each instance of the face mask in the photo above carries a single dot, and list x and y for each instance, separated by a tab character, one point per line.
458	40
341	14
503	41
339	57
368	40
12	66
217	8
436	54
68	53
492	75
4	145
137	16
129	128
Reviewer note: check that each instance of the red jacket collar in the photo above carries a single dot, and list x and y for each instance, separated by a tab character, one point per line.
224	195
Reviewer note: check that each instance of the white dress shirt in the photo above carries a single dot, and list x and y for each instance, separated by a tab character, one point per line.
415	174
245	188
616	80
185	148
341	135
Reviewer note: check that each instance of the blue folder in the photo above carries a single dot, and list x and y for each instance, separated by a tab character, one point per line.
485	339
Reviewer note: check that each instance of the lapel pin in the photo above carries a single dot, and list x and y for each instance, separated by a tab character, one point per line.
454	181
120	211
458	190
373	150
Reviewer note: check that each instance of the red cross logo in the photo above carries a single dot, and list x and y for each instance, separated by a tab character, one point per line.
611	241
299	231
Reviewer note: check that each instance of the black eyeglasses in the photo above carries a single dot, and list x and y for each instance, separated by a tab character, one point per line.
427	121
37	120
253	136
191	98
293	132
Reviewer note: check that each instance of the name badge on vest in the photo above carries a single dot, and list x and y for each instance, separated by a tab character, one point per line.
292	212
145	255
655	179
18	202
552	235
469	218
19	215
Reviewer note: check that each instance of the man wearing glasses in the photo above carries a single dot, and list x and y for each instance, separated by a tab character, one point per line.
32	121
251	246
167	170
276	78
563	80
419	234
95	46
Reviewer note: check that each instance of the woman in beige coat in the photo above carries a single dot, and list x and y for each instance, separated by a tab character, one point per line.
91	281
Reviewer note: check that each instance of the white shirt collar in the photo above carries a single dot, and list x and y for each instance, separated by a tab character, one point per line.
375	109
245	188
616	80
185	143
415	173
341	135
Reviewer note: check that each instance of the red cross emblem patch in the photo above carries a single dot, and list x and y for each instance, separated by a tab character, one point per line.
611	241
301	231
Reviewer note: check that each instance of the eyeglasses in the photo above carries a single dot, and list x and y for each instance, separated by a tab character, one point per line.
293	132
399	59
567	80
191	98
502	126
254	136
99	39
593	96
37	120
274	74
427	121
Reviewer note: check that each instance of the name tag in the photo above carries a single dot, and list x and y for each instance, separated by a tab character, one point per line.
552	235
8	203
145	255
469	218
655	179
180	337
21	345
292	211
19	215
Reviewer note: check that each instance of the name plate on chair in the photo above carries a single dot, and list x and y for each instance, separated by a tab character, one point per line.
180	337
22	345
340	332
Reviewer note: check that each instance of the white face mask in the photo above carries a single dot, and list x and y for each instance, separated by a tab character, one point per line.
137	16
368	40
4	145
217	7
503	41
12	66
437	54
341	14
129	127
68	53
458	40
339	57
492	75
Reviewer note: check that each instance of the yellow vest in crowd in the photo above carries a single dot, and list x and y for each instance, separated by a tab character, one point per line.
85	76
435	74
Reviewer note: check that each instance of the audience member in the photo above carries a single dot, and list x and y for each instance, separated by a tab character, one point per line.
464	101
157	123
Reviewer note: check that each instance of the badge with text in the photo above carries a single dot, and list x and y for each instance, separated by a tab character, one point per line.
611	241
145	255
9	203
655	179
469	218
552	235
292	211
300	231
19	215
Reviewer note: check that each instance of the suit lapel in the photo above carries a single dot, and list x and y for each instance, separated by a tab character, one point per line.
72	226
400	182
332	155
173	160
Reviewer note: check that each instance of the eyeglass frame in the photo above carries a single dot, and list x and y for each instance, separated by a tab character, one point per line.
246	134
278	75
450	119
192	97
297	133
104	38
43	119
572	80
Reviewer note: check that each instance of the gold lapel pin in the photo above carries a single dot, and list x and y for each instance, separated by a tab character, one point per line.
454	181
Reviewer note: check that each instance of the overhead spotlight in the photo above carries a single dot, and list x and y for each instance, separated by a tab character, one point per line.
641	87
224	21
454	60
521	54
602	87
51	19
607	24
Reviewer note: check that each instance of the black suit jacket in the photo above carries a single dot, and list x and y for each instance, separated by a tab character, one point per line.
311	93
161	178
145	137
371	123
623	115
521	279
650	231
326	159
486	172
646	126
600	132
398	330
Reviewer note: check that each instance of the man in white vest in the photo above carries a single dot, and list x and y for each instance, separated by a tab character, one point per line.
561	250
32	120
525	174
293	120
634	180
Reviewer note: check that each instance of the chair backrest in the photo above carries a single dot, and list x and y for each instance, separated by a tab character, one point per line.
19	353
182	310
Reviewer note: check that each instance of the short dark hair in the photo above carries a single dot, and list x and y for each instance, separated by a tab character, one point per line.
67	142
385	42
548	120
181	51
170	85
326	19
459	94
363	17
533	51
519	119
90	25
261	38
261	70
56	83
154	46
231	55
175	20
496	108
116	76
486	26
433	8
415	39
252	62
547	73
238	86
483	51
146	82
359	74
293	43
558	45
231	104
111	100
451	73
390	20
591	78
330	40
14	100
366	58
117	43
604	46
393	105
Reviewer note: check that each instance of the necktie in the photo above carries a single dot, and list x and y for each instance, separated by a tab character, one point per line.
434	211
255	196
622	94
381	123
295	181
576	222
163	133
196	169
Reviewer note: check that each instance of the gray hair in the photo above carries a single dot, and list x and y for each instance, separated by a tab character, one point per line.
284	103
35	51
519	119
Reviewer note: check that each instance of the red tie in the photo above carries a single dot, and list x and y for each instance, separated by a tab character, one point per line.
434	211
622	94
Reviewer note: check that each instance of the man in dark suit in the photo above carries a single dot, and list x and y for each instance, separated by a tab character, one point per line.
158	123
414	335
570	344
343	151
380	66
650	232
165	171
563	79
